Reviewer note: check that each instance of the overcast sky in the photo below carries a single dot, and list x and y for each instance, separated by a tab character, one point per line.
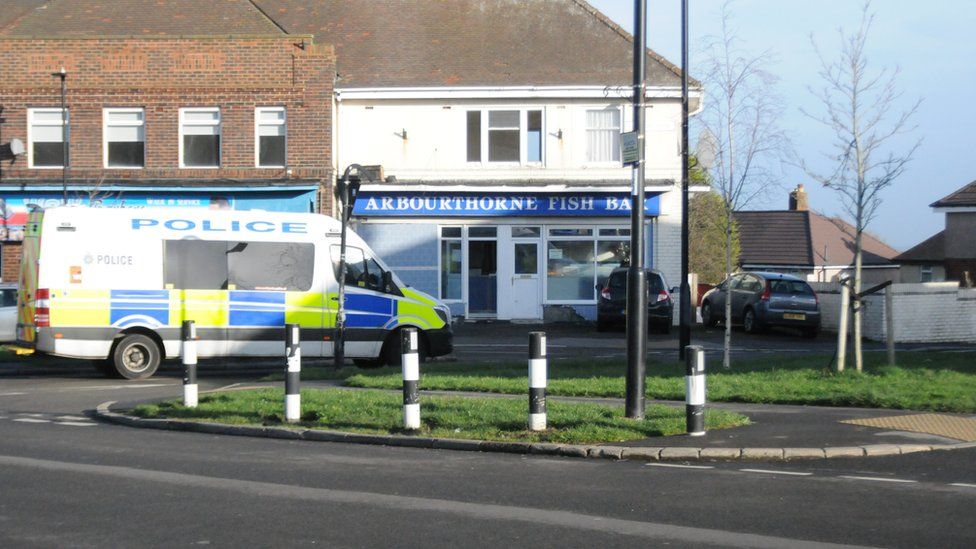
931	42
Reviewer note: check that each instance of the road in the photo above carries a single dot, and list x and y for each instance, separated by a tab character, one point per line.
70	481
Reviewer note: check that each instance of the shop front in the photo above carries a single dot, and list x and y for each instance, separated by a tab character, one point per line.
507	255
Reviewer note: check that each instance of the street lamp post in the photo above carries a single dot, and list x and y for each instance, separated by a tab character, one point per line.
636	275
343	194
62	74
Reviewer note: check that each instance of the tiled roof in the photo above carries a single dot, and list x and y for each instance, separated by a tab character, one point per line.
964	197
414	43
94	18
13	10
804	238
930	250
774	238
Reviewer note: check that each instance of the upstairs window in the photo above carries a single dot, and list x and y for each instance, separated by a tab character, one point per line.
125	138
270	137
505	136
200	138
603	135
45	137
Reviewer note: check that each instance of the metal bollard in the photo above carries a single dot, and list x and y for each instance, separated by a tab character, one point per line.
695	390
410	360
293	372
189	355
537	381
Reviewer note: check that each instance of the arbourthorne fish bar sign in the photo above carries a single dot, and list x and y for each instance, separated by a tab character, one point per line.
433	204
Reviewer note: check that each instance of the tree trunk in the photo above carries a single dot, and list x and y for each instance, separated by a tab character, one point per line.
858	357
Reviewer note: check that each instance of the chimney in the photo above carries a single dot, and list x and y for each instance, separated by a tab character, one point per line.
798	199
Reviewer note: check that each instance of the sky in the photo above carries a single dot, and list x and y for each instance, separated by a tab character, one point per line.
932	45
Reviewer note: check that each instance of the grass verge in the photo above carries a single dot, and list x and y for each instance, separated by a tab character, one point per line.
476	418
944	382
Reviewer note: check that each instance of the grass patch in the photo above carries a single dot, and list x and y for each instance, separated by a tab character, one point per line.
380	412
944	382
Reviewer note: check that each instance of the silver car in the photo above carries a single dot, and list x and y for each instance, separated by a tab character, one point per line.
8	312
761	300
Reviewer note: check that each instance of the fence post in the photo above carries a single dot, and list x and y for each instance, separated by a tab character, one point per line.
293	373
410	362
890	324
695	390
189	355
845	297
537	381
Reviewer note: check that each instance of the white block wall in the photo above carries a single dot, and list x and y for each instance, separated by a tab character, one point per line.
923	313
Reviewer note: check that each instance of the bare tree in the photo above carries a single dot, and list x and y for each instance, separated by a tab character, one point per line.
860	108
743	121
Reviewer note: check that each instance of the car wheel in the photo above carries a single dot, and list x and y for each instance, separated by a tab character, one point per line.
136	357
366	363
601	325
391	354
811	333
707	319
749	322
665	327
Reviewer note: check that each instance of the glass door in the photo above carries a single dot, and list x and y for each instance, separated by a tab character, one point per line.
482	271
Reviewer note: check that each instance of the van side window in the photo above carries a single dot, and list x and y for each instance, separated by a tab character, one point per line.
280	266
361	271
195	264
209	265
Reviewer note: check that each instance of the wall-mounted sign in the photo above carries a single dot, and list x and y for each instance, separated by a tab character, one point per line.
629	147
497	204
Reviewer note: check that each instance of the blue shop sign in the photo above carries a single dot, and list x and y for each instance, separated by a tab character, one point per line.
433	204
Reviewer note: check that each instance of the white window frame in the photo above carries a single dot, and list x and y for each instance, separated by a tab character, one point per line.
586	140
220	131
66	117
257	134
440	262
105	125
926	271
594	239
523	130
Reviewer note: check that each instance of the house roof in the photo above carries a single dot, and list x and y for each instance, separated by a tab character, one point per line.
804	238
930	250
416	43
964	197
150	18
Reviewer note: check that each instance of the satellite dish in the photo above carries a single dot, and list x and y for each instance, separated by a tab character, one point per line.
707	149
16	147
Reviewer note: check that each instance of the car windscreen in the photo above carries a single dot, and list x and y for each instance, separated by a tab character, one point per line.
790	287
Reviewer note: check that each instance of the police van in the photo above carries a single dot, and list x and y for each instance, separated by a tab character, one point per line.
115	285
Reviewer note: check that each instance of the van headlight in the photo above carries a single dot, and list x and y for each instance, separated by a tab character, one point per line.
444	312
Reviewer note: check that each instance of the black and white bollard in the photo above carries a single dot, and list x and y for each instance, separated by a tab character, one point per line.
695	390
537	381
410	360
293	373
189	355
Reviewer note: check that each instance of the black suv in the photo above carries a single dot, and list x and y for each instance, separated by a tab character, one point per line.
611	306
761	300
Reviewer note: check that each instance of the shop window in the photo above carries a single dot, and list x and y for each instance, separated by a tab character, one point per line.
603	135
200	138
451	261
609	256
482	232
505	136
45	137
526	232
270	137
570	269
125	138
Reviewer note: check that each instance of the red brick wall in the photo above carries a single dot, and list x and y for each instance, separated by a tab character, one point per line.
163	75
10	254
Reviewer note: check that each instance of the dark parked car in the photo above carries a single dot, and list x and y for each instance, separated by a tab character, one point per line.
761	300
612	301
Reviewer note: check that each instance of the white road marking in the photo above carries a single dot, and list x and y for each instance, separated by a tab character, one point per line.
771	472
677	466
878	479
32	420
963	485
25	414
72	418
76	423
548	345
11	394
114	387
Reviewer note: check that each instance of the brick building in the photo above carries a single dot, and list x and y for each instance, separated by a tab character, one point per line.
178	103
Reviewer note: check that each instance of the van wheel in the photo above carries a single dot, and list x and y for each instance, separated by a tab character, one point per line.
367	363
136	357
390	355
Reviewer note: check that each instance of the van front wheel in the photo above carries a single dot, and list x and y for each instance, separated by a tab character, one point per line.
391	353
136	357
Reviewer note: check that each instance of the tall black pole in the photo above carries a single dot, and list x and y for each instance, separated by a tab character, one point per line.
686	305
339	343
636	275
64	138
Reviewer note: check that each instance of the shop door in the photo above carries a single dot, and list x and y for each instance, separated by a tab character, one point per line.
482	278
526	288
